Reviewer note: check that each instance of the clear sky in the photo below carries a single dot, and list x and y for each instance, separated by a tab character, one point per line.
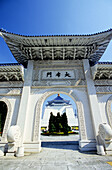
46	17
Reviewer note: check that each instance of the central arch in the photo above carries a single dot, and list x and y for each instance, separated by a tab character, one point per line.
39	105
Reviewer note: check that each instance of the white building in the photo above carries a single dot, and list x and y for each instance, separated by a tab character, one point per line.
49	65
62	106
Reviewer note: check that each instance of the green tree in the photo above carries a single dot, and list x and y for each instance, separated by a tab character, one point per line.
52	127
58	121
60	127
64	122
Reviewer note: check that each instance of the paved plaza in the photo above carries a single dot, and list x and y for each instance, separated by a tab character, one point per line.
57	155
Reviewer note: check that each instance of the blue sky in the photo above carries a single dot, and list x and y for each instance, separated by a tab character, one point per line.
46	17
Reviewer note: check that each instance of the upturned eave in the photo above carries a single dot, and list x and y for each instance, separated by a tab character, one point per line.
64	47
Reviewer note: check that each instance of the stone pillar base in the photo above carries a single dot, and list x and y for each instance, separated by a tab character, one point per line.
32	147
1	151
108	152
2	148
10	154
100	150
11	147
20	152
87	145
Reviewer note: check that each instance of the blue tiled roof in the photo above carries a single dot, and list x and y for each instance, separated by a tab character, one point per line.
58	100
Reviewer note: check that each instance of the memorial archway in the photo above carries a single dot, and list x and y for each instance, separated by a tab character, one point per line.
38	113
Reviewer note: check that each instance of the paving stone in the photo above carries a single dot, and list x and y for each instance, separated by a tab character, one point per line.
56	158
54	167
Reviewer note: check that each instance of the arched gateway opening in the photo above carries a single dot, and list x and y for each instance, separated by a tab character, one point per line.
38	115
59	122
3	113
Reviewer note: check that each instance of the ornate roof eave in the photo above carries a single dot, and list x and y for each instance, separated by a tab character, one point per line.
102	71
69	47
11	72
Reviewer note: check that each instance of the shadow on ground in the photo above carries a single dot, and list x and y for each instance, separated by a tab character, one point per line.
68	145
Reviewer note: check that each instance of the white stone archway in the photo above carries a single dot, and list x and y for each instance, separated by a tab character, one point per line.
39	105
8	119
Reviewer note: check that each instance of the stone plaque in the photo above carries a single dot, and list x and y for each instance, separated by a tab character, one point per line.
58	74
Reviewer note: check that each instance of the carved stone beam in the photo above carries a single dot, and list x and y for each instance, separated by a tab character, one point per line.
94	71
86	52
26	51
110	75
41	53
75	52
15	77
30	53
52	54
100	75
6	77
94	47
63	53
60	47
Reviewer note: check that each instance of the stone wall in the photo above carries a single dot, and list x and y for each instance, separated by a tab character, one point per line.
72	83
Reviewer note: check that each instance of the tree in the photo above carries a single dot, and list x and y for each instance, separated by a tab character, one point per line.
52	127
65	124
60	127
57	122
64	120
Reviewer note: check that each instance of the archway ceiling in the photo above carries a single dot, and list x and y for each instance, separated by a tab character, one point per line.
72	47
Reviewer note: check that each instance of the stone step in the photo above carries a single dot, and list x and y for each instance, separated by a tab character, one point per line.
46	143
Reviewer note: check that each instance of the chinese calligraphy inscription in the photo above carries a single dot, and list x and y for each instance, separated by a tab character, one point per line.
59	74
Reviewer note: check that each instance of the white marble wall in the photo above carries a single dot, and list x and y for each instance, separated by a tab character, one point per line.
82	95
40	90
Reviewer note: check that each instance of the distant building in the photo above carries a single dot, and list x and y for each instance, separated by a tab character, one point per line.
62	106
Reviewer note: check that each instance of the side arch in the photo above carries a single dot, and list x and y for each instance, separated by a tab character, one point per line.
7	120
39	105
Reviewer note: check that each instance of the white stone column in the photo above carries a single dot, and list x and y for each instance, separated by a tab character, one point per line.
93	101
23	109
